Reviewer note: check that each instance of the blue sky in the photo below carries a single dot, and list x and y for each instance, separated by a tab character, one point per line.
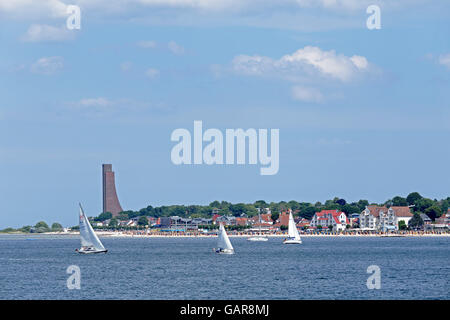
363	114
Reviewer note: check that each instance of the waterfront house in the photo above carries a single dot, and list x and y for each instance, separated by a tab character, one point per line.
131	223
214	218
403	213
242	221
226	220
266	221
354	220
325	218
381	218
267	218
164	222
443	221
283	219
302	223
426	219
369	217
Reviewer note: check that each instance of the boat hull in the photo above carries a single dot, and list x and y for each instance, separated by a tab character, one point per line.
292	241
225	251
91	251
257	239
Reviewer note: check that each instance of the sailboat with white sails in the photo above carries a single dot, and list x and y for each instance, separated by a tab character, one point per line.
293	235
223	242
259	237
90	243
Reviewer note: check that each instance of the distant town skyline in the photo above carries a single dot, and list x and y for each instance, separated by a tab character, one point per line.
362	114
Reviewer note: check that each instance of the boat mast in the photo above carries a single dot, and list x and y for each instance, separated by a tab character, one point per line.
259	215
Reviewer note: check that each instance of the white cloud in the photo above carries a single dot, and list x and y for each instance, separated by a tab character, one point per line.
152	73
444	59
336	4
305	15
47	65
175	48
33	8
306	62
46	33
307	67
307	94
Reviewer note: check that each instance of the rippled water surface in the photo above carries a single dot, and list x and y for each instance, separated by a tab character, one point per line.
34	267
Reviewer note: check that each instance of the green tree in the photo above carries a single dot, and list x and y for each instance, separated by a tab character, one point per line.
26	229
238	209
362	204
445	204
142	221
422	204
294	205
215	204
307	212
123	216
104	216
350	208
413	197
341	202
274	216
433	212
401	225
113	223
399	201
57	226
41	226
416	221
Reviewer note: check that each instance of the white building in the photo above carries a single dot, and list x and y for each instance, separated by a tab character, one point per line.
383	218
325	218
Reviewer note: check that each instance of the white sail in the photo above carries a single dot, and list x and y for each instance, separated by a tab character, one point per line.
87	234
223	242
292	230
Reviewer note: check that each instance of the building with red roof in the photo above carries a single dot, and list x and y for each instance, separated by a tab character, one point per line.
302	222
325	218
240	221
214	218
283	219
384	219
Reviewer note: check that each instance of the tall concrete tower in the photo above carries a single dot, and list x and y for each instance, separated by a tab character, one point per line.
110	201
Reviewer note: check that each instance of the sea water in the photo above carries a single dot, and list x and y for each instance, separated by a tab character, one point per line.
34	267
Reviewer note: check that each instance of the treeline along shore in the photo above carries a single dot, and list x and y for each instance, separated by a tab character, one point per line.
148	220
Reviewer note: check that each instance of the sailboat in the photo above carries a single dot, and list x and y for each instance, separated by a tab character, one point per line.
90	243
223	242
259	237
294	236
